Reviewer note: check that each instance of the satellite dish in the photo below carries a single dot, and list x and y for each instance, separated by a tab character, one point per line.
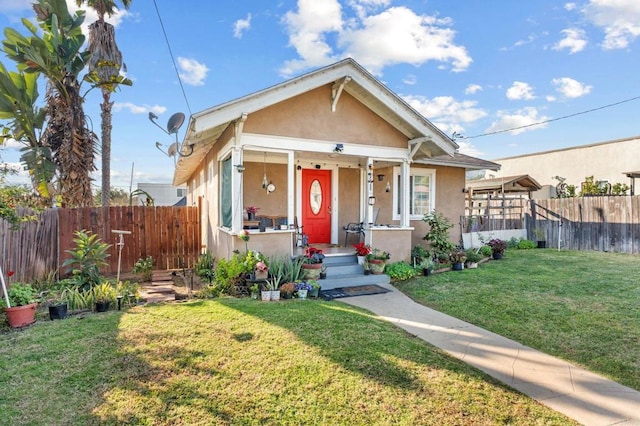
174	123
173	149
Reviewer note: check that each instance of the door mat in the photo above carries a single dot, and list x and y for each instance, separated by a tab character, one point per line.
362	290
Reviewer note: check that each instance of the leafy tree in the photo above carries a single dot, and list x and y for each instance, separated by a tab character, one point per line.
438	235
18	96
54	50
104	70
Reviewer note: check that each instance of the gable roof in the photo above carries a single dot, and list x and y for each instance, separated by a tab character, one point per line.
460	160
208	125
520	183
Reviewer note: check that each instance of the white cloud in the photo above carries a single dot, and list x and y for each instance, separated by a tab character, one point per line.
472	89
138	109
395	35
398	35
520	90
574	40
571	88
307	30
410	80
468	148
241	25
516	121
11	143
445	112
619	19
569	6
192	71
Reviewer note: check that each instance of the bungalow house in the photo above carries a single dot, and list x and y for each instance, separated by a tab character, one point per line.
314	153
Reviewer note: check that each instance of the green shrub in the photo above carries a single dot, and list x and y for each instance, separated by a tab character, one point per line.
144	267
438	235
229	272
87	257
486	251
399	271
513	242
526	244
205	267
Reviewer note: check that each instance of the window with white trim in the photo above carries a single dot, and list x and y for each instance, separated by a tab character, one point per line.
422	192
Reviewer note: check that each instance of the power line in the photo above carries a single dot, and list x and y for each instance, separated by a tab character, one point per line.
548	121
175	67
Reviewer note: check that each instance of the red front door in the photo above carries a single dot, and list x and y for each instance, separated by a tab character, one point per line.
316	205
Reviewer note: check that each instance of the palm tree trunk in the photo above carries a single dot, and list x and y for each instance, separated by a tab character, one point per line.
106	126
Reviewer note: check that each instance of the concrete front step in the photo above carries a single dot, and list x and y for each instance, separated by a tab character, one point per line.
352	280
343	270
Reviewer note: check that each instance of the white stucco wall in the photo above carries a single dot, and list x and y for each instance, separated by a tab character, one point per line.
604	161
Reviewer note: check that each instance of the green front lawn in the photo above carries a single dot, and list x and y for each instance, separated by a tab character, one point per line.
580	306
233	361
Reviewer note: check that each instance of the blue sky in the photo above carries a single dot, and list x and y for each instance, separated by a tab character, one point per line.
471	67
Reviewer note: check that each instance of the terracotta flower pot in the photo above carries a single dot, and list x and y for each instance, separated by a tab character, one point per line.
376	266
312	270
21	316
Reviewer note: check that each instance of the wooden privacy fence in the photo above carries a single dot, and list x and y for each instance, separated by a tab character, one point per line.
588	223
171	235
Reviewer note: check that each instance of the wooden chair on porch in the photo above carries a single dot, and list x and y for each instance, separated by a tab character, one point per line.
357	228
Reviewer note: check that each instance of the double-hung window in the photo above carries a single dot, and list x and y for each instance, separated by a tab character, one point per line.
422	192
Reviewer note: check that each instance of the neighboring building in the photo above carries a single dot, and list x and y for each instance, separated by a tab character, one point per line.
163	194
609	162
322	150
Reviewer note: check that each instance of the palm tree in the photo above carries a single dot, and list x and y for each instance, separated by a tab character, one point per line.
105	64
54	51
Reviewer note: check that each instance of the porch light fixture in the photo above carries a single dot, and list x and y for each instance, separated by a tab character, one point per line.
240	168
380	178
339	147
265	181
372	200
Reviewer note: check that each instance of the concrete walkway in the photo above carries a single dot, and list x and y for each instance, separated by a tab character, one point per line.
584	396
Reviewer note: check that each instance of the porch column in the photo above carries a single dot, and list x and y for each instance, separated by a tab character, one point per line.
236	184
370	195
291	179
405	177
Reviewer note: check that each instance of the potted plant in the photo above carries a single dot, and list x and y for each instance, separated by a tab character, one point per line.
303	289
473	257
419	254
103	294
540	238
362	250
376	260
144	268
261	270
498	247
315	288
255	290
287	289
272	286
21	310
57	309
427	267
323	272
312	263
251	212
457	258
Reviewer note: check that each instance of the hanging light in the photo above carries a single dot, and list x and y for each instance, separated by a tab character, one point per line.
265	181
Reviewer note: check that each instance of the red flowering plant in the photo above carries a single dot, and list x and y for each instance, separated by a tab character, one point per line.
252	209
313	255
362	249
